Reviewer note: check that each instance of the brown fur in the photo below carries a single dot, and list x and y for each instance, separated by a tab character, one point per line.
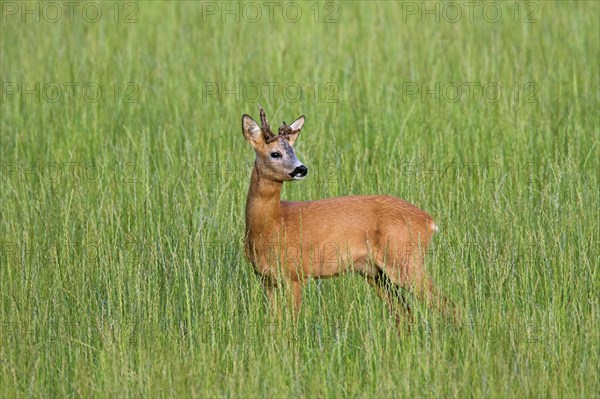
379	236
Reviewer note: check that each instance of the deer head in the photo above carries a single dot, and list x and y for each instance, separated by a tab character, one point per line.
275	155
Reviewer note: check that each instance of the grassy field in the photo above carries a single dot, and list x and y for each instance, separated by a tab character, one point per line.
124	176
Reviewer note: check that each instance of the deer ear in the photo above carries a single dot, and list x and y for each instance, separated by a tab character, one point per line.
296	126
252	132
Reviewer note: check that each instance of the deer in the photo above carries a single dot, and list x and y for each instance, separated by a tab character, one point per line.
381	237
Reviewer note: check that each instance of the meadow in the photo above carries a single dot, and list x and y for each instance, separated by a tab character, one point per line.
124	174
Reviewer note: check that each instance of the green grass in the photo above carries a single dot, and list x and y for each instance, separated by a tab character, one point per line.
121	224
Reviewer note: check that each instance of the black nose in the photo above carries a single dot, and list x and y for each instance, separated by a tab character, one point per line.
300	171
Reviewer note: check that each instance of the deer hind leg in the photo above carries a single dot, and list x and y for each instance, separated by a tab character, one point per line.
425	291
409	273
392	295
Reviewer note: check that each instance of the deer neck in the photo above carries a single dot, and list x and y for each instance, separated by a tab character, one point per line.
263	206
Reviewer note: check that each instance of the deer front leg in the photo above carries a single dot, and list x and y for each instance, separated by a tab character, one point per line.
297	297
271	297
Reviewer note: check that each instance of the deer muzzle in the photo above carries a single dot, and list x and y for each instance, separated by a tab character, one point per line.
299	173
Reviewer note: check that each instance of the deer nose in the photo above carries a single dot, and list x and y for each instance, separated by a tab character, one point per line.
299	172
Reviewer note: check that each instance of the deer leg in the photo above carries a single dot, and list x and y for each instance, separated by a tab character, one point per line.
409	273
394	298
271	297
421	284
296	289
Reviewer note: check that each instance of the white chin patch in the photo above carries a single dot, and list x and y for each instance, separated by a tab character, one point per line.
299	177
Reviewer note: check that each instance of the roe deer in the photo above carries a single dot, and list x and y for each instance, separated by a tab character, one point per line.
379	236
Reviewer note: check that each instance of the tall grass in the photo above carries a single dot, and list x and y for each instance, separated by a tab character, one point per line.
121	223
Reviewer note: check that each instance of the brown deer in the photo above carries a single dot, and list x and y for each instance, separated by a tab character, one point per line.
379	236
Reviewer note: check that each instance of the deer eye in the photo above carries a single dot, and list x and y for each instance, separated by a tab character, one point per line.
275	155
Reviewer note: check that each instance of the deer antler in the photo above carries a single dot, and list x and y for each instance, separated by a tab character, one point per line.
285	129
266	129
